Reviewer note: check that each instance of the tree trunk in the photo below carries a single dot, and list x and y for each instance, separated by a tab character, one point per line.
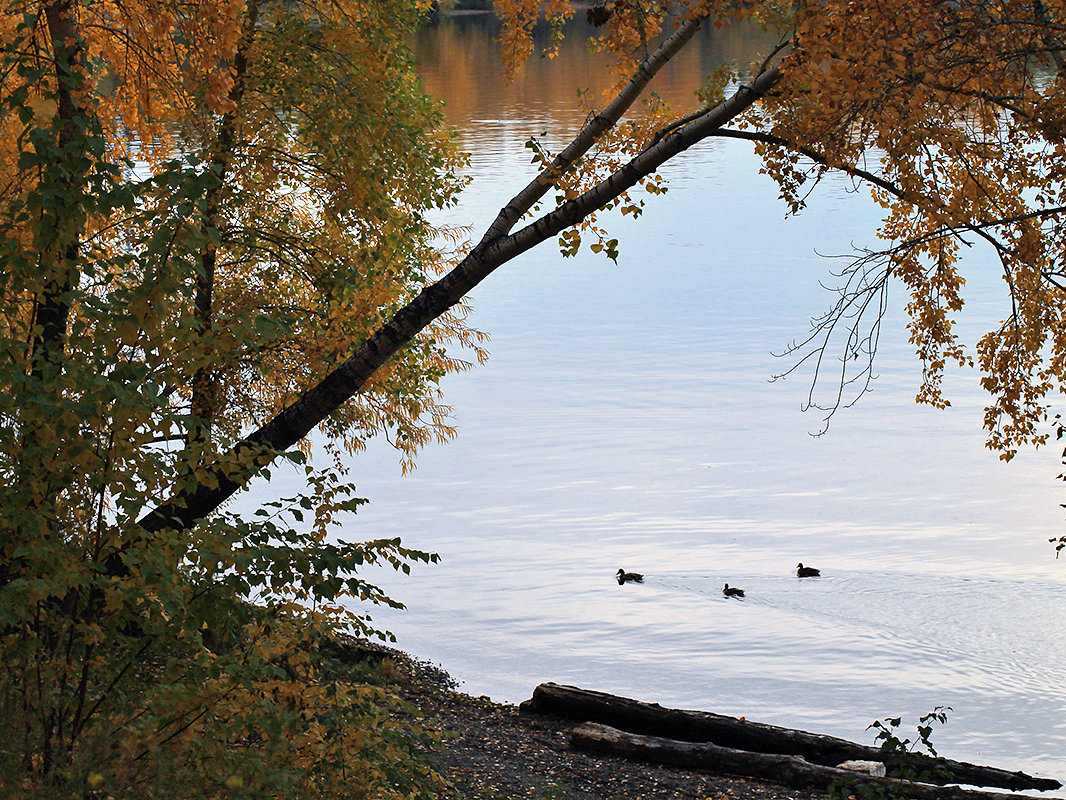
792	770
59	259
204	384
651	719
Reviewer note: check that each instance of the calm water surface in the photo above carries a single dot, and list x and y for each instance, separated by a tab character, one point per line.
626	420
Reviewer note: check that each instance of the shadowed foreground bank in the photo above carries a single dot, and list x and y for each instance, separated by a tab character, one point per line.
493	752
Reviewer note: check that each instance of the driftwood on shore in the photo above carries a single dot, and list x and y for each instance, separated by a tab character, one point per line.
792	770
770	744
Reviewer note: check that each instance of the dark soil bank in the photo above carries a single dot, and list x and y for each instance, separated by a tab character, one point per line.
496	753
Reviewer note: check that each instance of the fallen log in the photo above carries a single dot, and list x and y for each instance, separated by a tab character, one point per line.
791	770
651	719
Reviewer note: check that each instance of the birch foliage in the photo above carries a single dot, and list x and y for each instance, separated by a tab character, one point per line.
202	207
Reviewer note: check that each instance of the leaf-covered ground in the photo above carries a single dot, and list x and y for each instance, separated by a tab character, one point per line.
492	752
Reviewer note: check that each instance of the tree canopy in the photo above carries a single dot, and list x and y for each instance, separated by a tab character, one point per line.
215	237
204	206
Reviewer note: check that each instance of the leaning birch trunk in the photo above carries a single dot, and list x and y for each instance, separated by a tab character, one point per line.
791	770
584	705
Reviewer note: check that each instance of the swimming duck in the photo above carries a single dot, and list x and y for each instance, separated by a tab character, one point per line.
631	577
806	572
732	591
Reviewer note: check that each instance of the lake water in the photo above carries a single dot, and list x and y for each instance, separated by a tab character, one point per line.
626	419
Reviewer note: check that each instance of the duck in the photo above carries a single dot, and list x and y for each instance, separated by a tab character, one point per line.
732	591
806	572
628	577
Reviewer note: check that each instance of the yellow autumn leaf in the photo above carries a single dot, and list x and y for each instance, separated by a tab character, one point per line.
44	110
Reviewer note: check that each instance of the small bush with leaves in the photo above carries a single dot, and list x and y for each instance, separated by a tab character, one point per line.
906	760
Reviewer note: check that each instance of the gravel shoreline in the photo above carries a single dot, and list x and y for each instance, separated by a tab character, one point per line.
492	752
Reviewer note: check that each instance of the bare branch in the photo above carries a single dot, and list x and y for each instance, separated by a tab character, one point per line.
864	291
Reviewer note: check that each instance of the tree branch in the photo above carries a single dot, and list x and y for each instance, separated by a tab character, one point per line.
522	202
818	158
193	499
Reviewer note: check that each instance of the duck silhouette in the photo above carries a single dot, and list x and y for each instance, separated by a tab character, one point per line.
732	591
628	577
806	572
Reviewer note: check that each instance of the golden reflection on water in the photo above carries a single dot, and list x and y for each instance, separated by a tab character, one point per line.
460	62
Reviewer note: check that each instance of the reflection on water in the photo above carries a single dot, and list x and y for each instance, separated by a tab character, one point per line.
626	420
461	62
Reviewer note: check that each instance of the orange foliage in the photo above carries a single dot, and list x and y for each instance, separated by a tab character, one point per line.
319	215
951	111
